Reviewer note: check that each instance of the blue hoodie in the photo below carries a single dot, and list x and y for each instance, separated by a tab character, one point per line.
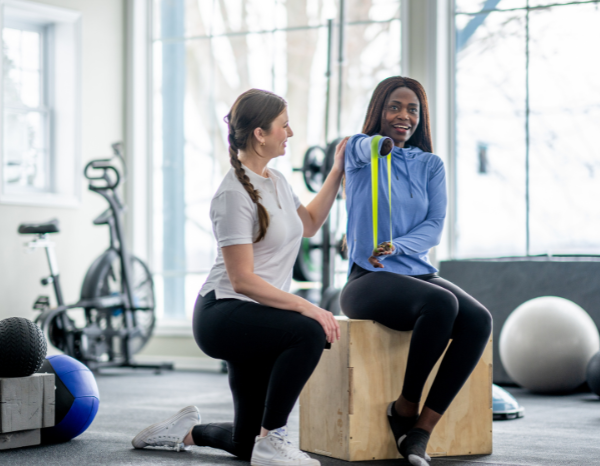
418	206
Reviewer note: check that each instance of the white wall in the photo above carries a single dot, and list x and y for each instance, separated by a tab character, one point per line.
102	105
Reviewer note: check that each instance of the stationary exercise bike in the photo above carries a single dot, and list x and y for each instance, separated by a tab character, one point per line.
115	314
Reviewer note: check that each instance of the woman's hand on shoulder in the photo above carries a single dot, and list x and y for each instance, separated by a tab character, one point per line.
340	150
325	318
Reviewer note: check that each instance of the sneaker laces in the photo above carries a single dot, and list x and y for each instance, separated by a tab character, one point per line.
284	446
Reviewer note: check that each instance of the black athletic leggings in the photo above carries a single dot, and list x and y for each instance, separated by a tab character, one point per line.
270	353
436	310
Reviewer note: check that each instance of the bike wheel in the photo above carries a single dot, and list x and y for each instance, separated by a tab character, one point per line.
143	318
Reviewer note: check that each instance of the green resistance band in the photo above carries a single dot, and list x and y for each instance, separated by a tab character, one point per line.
375	185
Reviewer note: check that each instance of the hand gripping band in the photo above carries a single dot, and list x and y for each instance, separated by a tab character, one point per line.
375	185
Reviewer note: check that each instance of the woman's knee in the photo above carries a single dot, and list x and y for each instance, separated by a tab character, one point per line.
483	320
443	303
310	333
475	320
315	331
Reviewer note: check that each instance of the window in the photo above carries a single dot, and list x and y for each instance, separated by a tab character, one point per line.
39	105
527	111
208	52
26	114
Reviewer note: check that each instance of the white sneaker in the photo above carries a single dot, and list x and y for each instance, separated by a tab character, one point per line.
170	432
276	450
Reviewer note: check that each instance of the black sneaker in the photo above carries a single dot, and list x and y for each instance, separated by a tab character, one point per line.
400	425
413	447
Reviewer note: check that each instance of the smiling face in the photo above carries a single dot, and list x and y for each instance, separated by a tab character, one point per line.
400	116
275	140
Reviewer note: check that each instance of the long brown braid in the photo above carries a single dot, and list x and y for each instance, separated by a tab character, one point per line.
253	109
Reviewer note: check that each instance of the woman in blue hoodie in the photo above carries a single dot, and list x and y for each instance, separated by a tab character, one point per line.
394	283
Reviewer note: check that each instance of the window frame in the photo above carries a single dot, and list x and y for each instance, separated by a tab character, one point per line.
336	62
61	92
453	180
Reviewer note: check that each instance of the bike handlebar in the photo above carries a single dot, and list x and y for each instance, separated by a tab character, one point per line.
106	166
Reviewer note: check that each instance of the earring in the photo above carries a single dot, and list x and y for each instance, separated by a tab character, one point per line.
262	143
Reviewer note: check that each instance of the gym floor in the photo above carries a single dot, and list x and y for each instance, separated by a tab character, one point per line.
556	430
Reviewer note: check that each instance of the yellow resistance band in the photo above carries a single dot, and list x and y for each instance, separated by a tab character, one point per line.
375	185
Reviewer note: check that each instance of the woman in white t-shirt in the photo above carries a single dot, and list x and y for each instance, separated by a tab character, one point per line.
271	339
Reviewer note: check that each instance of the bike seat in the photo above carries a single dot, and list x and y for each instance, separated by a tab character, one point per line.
50	226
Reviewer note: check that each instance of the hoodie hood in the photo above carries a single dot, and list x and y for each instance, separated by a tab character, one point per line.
410	152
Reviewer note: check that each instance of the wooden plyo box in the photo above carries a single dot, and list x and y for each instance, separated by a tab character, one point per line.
343	405
27	404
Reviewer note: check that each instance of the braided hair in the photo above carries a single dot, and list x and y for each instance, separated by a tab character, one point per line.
253	109
422	135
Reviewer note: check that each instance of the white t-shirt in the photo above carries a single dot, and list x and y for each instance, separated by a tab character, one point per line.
235	221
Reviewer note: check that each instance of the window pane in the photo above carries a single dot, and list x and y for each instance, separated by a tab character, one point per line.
22	68
473	6
25	164
30	88
564	122
490	138
300	67
205	157
25	141
30	50
372	54
300	13
217	17
372	10
12	47
185	172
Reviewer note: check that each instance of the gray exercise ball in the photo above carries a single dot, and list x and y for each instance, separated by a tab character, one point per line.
546	344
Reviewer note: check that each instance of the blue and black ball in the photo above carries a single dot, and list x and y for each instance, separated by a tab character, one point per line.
77	398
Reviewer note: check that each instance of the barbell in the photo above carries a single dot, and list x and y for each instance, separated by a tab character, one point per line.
317	164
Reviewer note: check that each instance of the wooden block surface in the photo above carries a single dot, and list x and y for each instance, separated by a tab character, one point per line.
49	402
24	438
22	402
329	385
356	380
378	360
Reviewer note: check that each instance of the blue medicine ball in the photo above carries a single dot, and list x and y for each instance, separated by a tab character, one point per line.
77	398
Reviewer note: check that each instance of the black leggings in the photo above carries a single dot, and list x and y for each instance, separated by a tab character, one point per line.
437	311
270	353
